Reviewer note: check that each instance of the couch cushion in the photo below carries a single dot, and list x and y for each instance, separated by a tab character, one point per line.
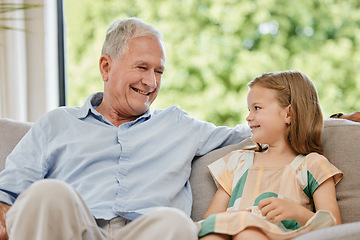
11	132
349	231
341	141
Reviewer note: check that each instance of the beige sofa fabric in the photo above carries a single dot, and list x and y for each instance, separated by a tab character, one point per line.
341	141
11	132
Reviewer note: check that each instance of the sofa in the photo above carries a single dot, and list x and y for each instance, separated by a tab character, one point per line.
341	140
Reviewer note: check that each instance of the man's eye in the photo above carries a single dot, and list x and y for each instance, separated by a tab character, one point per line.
141	67
160	72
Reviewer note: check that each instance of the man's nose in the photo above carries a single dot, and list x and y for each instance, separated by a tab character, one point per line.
150	79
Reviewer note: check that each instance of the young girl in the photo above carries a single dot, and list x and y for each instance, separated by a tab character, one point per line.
271	193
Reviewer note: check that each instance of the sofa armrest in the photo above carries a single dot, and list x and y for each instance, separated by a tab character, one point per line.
11	132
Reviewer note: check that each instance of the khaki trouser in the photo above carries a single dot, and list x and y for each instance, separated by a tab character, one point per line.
51	209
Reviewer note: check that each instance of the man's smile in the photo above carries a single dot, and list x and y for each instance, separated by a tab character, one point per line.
141	92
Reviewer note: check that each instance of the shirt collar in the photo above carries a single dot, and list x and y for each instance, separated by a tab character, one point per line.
95	100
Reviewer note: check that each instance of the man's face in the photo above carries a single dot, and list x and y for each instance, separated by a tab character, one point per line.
132	82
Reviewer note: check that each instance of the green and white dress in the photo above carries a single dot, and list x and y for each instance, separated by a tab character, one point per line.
247	185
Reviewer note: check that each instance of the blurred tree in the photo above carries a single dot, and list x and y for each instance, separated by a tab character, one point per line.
214	48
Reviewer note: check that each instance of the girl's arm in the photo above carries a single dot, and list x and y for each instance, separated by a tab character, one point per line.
219	203
325	199
276	209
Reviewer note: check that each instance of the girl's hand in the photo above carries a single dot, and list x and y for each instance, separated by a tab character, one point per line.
277	210
3	210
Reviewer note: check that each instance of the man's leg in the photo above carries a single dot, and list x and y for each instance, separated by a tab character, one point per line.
51	209
164	224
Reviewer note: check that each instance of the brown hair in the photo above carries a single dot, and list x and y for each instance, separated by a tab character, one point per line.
297	90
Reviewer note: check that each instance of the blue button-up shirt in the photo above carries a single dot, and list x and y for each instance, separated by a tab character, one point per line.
119	171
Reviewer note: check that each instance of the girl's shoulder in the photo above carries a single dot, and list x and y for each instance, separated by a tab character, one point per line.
314	156
236	155
315	160
320	168
310	160
227	167
231	161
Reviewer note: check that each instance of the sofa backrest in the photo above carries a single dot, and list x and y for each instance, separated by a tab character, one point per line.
341	141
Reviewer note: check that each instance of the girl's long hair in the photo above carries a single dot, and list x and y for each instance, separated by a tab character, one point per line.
297	90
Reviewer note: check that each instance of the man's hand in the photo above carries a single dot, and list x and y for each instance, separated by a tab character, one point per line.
3	210
355	116
276	210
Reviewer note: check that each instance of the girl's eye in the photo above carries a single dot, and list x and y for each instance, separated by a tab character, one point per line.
257	108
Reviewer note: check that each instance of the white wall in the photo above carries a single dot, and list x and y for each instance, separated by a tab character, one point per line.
28	62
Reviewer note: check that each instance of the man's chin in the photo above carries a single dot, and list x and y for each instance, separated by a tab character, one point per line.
140	110
140	106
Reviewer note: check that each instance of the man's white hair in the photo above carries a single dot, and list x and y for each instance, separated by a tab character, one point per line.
122	30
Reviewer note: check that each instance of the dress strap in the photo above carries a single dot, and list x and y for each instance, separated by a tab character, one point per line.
249	159
300	168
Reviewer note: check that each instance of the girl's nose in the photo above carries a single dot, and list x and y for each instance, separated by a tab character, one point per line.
249	117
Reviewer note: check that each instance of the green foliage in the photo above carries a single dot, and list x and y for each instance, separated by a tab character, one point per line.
214	48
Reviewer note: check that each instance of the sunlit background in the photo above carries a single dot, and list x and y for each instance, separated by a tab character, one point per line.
214	48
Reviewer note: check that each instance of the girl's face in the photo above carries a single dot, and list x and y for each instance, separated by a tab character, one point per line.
267	120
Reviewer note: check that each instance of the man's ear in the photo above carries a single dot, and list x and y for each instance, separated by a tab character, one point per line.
105	65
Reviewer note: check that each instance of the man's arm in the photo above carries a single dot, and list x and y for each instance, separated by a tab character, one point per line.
3	210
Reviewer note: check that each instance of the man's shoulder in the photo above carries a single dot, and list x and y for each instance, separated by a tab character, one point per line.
173	109
63	111
75	111
59	114
173	113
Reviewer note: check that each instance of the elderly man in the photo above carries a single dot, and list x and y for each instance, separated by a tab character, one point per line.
111	169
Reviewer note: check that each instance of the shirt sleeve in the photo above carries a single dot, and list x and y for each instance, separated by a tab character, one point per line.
213	137
24	165
223	169
319	170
